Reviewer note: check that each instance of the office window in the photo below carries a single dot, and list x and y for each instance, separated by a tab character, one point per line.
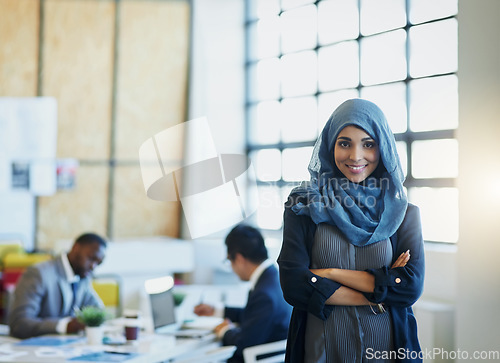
304	58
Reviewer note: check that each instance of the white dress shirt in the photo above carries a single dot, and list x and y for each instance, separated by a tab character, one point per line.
62	324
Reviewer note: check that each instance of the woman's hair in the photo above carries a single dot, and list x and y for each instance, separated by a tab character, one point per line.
248	242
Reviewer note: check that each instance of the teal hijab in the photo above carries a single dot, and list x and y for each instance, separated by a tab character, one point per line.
367	212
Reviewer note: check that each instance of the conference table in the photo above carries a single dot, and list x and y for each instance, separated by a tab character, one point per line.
149	348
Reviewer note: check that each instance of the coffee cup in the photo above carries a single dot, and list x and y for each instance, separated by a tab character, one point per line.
132	326
131	332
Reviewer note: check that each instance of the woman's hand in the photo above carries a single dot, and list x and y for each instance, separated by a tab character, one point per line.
357	280
402	260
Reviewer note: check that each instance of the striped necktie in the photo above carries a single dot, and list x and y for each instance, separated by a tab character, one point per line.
74	288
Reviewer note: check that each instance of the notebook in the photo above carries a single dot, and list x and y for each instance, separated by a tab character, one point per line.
164	318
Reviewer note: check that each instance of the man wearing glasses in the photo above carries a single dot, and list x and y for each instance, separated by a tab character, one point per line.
266	316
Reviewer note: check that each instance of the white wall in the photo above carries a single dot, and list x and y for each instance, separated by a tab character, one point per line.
435	310
440	284
478	298
216	88
217	71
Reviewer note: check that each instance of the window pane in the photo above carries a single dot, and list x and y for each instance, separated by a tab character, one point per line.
435	158
252	83
382	15
288	4
298	29
267	164
270	211
285	191
439	212
306	57
264	121
403	156
299	119
328	102
383	58
337	20
391	98
253	41
338	66
263	8
264	80
433	48
264	39
424	10
295	162
299	74
434	103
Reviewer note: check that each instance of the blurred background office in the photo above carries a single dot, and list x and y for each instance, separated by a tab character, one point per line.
114	73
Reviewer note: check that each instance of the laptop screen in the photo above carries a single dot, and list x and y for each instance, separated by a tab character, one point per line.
162	308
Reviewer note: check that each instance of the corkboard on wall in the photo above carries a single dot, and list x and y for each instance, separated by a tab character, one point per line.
19	28
67	214
78	70
137	215
152	71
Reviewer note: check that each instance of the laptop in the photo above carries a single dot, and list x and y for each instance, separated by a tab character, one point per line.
164	317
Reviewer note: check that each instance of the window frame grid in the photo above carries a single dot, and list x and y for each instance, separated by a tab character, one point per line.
408	137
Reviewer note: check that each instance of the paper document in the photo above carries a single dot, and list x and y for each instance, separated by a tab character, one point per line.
9	355
49	341
202	322
106	357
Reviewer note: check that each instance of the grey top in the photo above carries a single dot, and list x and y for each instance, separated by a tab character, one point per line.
351	334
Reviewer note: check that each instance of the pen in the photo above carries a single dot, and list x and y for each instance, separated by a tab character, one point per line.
115	352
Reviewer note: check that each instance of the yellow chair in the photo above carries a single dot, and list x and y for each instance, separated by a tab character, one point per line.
9	247
19	261
6	246
14	264
108	288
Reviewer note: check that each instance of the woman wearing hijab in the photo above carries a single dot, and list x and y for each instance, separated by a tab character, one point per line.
352	260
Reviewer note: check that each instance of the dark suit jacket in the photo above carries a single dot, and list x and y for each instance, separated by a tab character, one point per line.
264	319
397	288
43	296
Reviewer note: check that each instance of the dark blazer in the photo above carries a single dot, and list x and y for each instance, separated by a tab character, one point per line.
43	296
397	288
264	319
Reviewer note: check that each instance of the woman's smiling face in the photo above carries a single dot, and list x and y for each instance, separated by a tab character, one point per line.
356	154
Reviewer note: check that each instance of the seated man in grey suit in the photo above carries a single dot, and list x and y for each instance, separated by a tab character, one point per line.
48	294
266	316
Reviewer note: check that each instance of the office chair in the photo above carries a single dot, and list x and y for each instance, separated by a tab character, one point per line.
212	355
9	246
13	265
108	288
6	247
275	349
